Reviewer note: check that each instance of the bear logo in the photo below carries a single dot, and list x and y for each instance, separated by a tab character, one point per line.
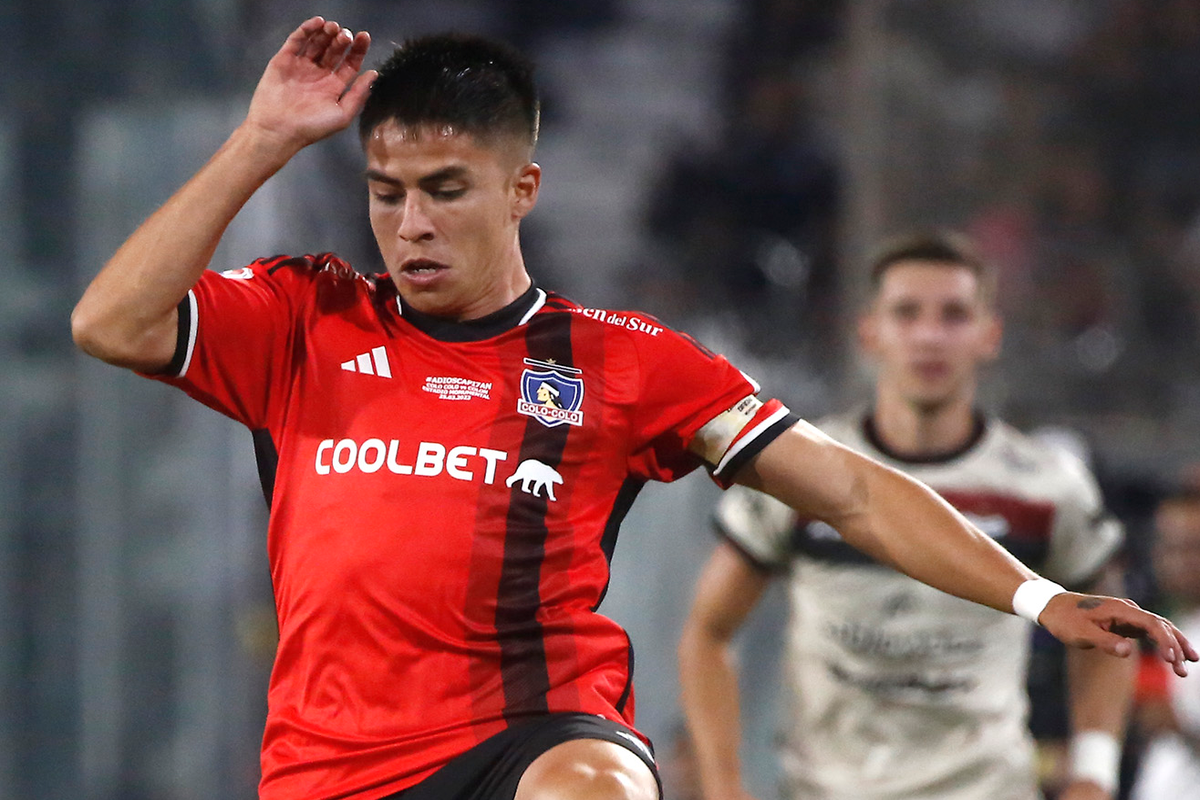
535	476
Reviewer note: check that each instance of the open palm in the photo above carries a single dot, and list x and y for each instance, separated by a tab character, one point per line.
312	87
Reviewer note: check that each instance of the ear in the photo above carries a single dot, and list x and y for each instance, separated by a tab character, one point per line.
525	189
993	335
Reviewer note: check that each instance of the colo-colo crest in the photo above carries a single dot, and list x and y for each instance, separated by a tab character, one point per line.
551	393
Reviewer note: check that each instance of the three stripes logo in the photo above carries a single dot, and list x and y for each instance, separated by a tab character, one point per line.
374	362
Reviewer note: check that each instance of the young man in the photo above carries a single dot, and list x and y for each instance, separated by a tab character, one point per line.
439	532
899	690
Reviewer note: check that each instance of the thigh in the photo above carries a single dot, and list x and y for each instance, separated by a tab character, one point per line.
589	769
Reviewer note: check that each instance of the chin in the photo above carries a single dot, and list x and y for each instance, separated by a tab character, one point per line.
428	302
930	402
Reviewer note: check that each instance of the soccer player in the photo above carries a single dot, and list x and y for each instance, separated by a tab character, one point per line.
897	690
439	535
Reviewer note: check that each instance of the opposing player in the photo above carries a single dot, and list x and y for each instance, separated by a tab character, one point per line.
898	690
439	534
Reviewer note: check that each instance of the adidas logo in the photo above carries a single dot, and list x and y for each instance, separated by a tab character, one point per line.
372	363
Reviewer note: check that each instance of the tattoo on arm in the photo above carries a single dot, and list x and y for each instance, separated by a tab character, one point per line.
1089	603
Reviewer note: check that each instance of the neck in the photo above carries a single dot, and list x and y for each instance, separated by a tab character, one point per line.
921	431
512	281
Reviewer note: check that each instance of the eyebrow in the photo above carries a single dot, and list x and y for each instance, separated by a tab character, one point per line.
444	174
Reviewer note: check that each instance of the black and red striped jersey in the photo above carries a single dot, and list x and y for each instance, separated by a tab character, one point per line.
445	498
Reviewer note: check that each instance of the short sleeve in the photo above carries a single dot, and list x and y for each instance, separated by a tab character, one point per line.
235	336
758	525
683	388
1085	536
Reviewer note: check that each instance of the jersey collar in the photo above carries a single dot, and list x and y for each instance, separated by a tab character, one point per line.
516	313
871	434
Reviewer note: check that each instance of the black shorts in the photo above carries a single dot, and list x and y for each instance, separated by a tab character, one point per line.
491	769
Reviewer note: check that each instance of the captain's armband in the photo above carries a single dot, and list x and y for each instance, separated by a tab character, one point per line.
713	441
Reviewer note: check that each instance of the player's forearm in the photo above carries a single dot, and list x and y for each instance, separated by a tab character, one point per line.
709	693
127	314
906	524
887	515
1100	690
1100	687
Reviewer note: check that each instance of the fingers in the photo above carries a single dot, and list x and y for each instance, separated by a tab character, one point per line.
354	58
337	46
356	95
1170	643
1112	624
298	39
319	40
1191	653
330	46
1114	645
1184	650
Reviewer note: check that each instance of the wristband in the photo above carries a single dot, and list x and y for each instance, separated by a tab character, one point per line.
1096	757
1032	596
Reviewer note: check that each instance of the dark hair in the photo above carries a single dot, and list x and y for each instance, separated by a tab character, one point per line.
474	85
937	247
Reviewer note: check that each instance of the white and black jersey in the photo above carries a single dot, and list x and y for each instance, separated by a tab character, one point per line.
898	690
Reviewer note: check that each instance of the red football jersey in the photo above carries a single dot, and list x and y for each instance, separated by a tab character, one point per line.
445	498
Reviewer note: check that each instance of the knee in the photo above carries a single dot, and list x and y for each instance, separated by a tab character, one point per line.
588	770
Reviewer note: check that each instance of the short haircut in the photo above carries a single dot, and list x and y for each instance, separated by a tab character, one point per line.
473	85
933	247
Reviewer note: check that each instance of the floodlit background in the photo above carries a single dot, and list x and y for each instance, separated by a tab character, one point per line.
723	164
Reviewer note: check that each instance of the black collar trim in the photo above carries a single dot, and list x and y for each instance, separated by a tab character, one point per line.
518	312
977	433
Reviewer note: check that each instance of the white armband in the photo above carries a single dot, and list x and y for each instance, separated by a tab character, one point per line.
714	439
1032	596
1096	757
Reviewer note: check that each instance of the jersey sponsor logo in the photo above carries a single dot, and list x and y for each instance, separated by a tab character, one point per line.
451	388
535	476
551	393
243	274
910	684
866	640
462	462
630	322
373	362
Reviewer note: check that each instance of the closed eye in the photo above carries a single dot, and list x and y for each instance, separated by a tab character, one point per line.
448	194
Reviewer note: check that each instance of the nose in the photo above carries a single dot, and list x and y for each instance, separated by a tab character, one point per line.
928	330
415	223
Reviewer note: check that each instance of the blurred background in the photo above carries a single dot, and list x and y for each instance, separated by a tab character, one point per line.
723	164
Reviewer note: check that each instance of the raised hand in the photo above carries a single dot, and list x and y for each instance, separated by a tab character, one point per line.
312	87
1083	620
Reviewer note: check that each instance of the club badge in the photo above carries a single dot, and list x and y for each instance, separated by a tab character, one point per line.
552	394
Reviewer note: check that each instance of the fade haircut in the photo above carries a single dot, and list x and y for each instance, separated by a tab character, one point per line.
467	83
947	248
